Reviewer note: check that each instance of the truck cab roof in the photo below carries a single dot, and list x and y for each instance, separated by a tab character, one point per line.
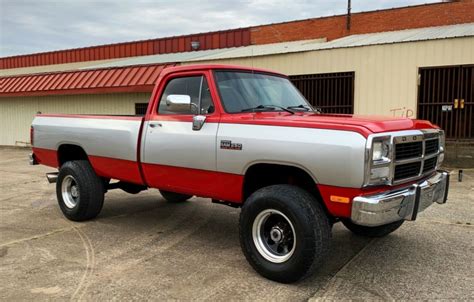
198	67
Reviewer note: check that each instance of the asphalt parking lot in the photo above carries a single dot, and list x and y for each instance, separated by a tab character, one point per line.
141	247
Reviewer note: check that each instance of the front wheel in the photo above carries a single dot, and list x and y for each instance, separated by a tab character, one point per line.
284	232
377	231
80	192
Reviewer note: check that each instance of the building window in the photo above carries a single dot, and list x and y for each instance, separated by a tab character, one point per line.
140	108
331	92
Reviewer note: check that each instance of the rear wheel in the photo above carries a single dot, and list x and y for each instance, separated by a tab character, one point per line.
284	232
80	192
174	197
377	231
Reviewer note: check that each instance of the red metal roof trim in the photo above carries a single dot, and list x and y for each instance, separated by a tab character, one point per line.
95	81
212	40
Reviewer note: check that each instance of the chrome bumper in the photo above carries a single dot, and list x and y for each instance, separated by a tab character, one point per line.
405	203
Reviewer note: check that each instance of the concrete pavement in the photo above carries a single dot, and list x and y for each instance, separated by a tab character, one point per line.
141	247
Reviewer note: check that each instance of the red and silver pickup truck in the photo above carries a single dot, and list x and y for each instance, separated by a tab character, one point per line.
247	138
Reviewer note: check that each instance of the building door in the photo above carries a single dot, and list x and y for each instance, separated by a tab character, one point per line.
331	92
446	98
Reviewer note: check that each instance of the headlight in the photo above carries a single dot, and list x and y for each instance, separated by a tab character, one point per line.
379	173
441	147
441	141
380	150
378	164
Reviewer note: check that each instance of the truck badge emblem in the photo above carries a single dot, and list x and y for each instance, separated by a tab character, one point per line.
229	145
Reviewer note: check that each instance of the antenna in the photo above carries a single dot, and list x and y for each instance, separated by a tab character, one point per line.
348	25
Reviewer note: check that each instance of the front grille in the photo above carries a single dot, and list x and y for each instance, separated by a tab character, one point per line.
407	170
431	146
408	150
414	150
430	164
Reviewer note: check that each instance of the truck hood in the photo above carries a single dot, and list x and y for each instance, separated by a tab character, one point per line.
375	124
359	123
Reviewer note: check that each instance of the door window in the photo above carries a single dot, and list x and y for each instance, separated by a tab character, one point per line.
196	88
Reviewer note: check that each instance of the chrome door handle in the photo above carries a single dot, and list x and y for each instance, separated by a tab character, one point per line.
155	124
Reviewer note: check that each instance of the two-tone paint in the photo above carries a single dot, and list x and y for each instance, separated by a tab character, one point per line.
163	151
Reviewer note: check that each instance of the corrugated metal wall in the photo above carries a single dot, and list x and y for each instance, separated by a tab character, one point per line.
385	75
16	114
385	81
211	40
52	68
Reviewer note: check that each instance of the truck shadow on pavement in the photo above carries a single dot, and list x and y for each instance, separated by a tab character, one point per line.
204	228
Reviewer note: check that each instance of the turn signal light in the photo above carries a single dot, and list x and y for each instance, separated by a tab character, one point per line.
340	199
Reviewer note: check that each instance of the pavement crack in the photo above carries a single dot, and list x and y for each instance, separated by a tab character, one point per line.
54	232
457	223
90	265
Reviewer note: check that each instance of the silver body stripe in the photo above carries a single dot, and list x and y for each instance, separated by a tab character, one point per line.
99	137
177	144
331	157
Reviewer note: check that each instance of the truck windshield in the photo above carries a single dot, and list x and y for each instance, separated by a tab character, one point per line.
247	92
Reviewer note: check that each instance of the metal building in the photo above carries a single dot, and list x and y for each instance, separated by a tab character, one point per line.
410	70
419	73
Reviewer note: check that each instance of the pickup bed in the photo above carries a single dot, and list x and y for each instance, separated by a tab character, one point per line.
247	138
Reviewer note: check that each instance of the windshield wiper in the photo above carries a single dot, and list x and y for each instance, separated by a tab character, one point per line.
301	106
308	108
259	107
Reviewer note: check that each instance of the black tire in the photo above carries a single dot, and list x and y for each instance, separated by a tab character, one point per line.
174	197
378	231
90	190
311	227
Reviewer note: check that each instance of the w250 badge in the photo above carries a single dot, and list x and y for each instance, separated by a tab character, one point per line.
229	145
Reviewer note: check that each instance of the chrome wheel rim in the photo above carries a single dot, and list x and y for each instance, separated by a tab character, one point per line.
70	191
274	236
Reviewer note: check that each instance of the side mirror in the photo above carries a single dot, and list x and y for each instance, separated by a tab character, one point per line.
198	122
178	102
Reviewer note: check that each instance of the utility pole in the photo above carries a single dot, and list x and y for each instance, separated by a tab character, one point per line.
348	25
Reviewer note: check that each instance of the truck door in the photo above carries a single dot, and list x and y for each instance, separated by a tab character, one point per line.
178	151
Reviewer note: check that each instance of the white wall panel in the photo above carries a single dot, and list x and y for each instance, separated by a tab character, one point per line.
385	75
17	113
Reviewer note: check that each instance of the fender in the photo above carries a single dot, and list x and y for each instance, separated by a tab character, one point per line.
280	163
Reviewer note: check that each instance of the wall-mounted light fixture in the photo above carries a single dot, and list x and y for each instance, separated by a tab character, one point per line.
195	45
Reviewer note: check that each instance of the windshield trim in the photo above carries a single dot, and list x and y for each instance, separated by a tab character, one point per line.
279	75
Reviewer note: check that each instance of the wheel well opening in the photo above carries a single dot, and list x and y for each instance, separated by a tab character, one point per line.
263	175
70	152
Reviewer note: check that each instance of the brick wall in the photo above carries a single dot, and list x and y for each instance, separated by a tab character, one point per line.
427	15
443	13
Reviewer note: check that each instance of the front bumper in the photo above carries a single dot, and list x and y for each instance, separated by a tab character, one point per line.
404	203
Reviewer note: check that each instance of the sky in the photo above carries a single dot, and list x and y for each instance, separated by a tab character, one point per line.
29	26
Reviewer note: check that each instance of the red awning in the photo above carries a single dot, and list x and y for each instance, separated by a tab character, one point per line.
94	81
